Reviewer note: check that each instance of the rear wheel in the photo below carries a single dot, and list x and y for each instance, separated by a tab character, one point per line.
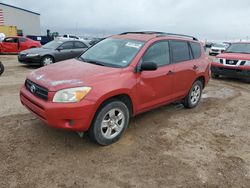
1	68
194	95
110	123
47	60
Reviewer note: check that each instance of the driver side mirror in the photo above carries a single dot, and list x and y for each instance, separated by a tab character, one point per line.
60	48
148	66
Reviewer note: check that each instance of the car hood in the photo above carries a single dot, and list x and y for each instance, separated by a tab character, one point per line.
234	56
35	51
72	73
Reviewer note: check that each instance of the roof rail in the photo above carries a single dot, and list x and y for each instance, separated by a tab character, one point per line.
159	34
142	32
178	35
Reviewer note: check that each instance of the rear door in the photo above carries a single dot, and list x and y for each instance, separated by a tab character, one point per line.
184	67
23	44
10	45
155	87
79	48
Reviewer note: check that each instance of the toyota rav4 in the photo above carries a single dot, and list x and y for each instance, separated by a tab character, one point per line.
120	77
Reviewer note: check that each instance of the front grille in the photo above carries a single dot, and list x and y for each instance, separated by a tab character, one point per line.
231	62
215	50
221	61
36	89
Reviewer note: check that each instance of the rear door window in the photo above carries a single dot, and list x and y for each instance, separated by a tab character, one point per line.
180	51
22	39
158	53
196	49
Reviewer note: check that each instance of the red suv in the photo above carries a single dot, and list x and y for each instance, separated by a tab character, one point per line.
117	78
234	62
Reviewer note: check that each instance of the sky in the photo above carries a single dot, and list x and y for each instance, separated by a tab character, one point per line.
205	19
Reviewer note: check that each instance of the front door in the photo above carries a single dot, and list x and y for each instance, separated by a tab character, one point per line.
10	45
155	87
66	51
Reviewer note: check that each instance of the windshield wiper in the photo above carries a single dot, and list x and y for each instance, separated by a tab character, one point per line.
91	61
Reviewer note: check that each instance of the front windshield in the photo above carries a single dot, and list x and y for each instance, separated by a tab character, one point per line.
239	48
113	52
52	44
219	45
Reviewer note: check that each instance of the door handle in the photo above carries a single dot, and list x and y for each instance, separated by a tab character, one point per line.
195	67
170	72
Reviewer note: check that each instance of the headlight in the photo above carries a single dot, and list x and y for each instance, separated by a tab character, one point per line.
32	55
216	60
71	94
247	63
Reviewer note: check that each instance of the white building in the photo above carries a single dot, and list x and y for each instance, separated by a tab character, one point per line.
27	22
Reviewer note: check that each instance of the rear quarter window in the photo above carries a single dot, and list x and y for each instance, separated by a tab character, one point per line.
196	49
180	51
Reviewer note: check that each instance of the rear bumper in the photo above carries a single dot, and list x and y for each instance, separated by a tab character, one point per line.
70	116
29	60
231	71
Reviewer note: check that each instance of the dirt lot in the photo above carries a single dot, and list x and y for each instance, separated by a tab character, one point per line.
208	146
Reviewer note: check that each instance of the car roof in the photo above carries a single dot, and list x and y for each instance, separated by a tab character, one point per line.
148	35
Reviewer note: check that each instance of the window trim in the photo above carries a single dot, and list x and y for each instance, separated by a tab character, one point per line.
170	59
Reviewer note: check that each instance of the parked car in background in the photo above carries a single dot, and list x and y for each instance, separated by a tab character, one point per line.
69	36
117	78
43	39
95	41
217	48
234	62
54	51
17	44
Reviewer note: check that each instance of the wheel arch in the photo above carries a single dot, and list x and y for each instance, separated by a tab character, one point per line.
124	97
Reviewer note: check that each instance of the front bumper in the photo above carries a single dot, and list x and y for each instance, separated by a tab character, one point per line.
231	71
36	60
68	116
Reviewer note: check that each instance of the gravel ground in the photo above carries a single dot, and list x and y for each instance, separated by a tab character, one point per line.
171	146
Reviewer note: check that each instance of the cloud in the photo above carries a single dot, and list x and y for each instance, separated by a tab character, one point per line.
211	19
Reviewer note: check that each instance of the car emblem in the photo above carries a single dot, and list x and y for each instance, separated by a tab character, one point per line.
231	62
33	89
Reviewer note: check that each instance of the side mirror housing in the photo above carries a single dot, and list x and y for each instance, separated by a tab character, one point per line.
148	66
60	48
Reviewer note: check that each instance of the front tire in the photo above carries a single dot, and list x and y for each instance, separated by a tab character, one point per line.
194	95
47	60
110	122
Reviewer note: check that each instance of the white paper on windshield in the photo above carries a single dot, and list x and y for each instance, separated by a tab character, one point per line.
133	45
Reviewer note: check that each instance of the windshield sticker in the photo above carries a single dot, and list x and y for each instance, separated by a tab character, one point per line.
133	45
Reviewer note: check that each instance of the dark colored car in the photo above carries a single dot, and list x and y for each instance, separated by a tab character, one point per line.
234	62
54	51
95	41
16	44
118	78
